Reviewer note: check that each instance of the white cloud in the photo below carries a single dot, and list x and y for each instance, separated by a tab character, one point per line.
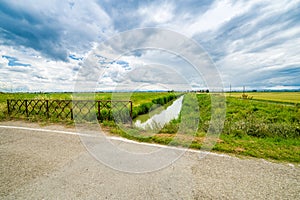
156	13
211	19
42	75
252	42
256	50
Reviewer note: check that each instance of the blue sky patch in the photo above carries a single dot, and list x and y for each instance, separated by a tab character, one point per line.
12	61
75	58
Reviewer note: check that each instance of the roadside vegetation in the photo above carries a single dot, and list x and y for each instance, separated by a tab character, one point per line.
263	126
259	129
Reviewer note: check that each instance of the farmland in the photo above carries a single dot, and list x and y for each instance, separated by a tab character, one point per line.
252	128
288	97
264	126
137	97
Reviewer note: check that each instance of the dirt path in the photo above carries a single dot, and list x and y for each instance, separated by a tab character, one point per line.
50	165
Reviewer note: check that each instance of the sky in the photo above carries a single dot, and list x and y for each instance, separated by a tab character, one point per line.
44	45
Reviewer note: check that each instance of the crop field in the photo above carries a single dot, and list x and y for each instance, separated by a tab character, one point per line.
137	97
289	97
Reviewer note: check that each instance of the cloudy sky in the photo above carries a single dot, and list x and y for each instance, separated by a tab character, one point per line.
44	44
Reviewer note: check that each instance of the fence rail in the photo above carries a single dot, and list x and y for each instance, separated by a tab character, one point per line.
120	111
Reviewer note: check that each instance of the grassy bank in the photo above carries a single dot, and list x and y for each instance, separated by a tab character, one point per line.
255	127
261	129
251	128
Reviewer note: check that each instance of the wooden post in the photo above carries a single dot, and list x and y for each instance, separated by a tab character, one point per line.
99	110
26	107
47	108
131	113
8	109
71	110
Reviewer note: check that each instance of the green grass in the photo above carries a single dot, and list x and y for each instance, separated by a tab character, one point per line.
252	128
288	97
262	119
142	101
274	148
137	97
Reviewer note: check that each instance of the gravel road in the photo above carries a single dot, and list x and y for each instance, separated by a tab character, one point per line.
54	165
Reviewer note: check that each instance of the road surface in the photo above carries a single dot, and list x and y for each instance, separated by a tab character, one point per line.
51	162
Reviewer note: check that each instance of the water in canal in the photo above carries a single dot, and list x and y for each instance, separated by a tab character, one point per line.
158	120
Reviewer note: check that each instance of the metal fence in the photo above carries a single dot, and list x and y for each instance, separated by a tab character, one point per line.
87	110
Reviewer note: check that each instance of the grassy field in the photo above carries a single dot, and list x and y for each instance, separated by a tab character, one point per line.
255	127
289	97
137	97
261	129
252	128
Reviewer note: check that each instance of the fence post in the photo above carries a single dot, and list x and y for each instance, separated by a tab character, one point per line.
99	110
71	110
8	109
131	113
47	108
26	108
